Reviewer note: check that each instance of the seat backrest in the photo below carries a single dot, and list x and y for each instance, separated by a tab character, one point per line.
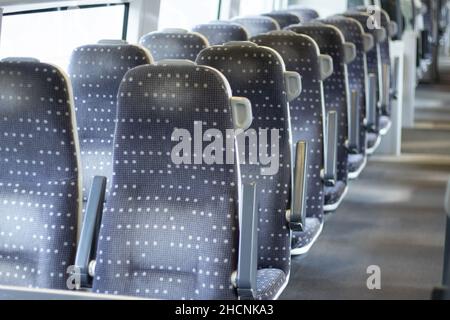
373	55
385	20
256	25
300	53
39	177
305	14
331	42
284	19
393	9
96	72
385	45
170	229
174	44
357	70
220	32
257	73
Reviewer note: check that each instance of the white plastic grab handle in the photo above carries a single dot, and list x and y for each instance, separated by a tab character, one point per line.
242	113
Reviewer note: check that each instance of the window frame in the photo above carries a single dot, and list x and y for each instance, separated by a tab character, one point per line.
80	7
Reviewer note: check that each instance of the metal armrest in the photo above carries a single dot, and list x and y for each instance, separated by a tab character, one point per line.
331	140
245	278
386	87
372	103
354	128
87	246
395	74
297	215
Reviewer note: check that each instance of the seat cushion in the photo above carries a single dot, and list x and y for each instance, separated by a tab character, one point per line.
372	139
269	282
334	194
384	123
302	240
355	162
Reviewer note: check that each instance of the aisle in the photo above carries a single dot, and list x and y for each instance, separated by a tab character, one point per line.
393	217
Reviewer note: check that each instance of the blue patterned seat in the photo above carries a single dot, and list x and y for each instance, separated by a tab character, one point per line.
220	32
175	235
385	61
174	44
357	75
256	25
331	42
284	19
258	73
96	72
40	205
374	69
301	54
305	14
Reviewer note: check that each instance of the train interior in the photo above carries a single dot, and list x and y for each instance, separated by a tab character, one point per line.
225	150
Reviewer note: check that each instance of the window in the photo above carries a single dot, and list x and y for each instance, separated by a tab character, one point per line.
186	14
254	7
51	35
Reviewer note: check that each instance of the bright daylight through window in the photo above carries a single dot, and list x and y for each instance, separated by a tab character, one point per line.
51	36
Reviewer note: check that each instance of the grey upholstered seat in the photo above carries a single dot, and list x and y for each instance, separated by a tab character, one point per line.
385	60
305	14
331	42
171	229
374	69
39	178
96	72
258	74
357	75
284	19
256	25
301	54
174	44
220	32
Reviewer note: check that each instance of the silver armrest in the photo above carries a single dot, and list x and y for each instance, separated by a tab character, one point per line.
331	139
87	245
386	86
245	278
297	215
372	102
354	127
395	74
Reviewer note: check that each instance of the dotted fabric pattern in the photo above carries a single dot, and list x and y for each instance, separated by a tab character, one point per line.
385	49
169	231
355	162
330	41
372	139
300	53
357	70
173	45
305	14
284	19
303	239
257	25
257	73
96	72
268	283
373	57
334	193
220	32
39	206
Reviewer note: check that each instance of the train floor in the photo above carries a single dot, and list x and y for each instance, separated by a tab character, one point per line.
392	218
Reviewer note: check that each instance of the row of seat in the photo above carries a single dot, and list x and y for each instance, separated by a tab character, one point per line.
187	230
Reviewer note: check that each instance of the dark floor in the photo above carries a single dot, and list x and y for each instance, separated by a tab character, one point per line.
393	218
